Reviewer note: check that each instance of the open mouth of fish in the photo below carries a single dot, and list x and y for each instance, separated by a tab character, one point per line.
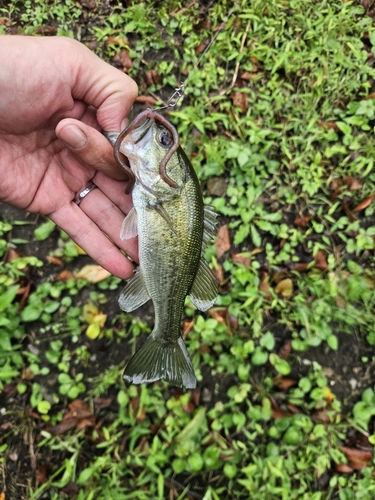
138	131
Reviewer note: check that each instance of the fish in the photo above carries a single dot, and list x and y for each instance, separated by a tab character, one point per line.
173	227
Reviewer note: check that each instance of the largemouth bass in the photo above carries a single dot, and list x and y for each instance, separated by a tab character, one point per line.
173	228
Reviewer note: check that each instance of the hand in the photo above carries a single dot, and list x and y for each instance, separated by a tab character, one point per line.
56	96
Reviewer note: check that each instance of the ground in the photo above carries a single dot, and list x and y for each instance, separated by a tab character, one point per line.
277	119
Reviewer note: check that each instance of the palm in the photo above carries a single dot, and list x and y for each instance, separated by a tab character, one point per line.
38	171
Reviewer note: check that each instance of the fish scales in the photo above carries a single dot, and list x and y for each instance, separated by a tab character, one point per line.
170	274
173	227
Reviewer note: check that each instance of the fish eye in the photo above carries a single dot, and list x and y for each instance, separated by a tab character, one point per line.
165	138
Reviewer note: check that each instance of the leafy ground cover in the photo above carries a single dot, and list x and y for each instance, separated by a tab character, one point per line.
278	121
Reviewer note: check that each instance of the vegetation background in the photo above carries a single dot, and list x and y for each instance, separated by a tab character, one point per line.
278	120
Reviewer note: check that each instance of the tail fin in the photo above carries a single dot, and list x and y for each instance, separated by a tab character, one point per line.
157	360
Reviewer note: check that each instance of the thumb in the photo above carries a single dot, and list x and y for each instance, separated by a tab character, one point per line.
90	147
99	84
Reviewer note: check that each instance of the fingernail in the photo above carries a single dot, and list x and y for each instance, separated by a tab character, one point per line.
73	137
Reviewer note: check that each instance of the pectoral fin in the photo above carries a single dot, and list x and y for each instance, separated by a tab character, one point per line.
204	291
164	214
135	293
129	228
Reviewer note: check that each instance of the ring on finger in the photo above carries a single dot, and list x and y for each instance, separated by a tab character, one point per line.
79	197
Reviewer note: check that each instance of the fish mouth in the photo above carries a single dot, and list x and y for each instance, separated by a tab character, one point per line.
134	134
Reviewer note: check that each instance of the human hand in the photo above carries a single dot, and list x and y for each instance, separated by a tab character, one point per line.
55	97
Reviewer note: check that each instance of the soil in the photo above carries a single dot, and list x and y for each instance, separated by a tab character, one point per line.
348	375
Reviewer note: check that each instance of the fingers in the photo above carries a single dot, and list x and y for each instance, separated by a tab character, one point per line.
90	147
108	216
114	191
101	85
88	236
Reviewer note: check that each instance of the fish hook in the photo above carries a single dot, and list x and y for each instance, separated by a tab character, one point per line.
148	113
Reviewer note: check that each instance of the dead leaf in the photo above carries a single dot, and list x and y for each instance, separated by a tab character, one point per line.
233	322
302	221
46	30
217	186
320	260
340	302
63	427
285	287
300	267
27	374
357	459
359	440
93	45
285	350
41	474
294	409
187	326
201	47
101	403
116	40
242	258
264	285
79	416
343	468
218	273
348	212
219	314
54	260
247	75
12	254
89	4
352	183
322	416
364	204
222	243
285	383
278	413
25	291
329	125
123	57
189	407
146	99
93	273
65	275
71	489
239	100
153	78
139	411
195	395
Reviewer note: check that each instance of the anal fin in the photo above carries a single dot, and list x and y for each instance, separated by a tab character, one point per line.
204	291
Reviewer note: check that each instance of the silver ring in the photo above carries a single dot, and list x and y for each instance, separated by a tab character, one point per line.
90	187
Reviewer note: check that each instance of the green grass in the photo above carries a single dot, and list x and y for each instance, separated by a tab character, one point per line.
279	108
